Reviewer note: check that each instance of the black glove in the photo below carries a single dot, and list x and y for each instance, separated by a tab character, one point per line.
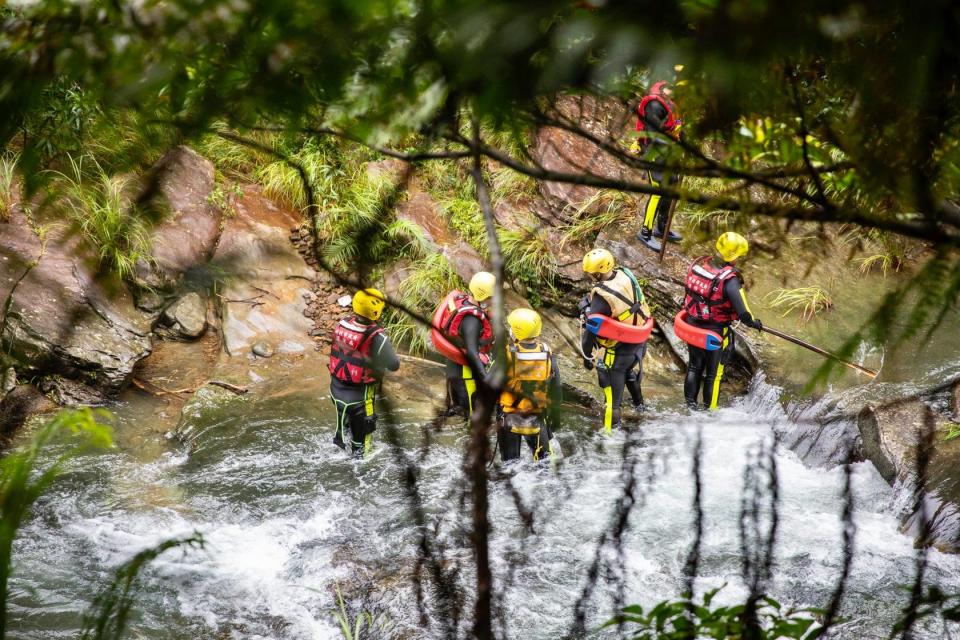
587	364
756	324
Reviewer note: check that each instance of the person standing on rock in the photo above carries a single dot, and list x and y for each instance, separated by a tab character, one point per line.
615	294
529	407
714	300
657	114
360	354
464	318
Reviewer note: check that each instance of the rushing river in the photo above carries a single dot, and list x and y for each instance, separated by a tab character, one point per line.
287	517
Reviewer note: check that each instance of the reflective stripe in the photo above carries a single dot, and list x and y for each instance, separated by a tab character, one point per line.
353	326
531	355
608	409
700	271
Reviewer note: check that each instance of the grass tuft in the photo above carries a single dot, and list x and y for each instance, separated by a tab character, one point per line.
363	625
601	210
431	278
8	184
98	203
808	300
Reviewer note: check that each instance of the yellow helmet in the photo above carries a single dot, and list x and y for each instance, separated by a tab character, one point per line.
524	323
482	285
368	303
731	246
598	261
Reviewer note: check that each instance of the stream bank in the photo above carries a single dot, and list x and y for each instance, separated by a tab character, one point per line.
233	295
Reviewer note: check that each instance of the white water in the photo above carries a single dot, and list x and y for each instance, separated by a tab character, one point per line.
286	517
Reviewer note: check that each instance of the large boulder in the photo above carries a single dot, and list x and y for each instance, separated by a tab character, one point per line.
187	317
897	438
60	314
262	279
557	149
181	185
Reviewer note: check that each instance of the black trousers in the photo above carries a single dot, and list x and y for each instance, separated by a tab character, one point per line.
615	372
460	387
657	206
355	414
509	442
705	369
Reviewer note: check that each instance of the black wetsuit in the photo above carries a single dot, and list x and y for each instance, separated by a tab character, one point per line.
615	368
355	402
706	367
461	384
548	421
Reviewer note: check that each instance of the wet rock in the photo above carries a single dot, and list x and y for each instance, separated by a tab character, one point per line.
188	315
9	381
894	437
262	350
71	393
420	208
148	300
823	445
180	184
16	408
60	314
262	277
955	401
559	150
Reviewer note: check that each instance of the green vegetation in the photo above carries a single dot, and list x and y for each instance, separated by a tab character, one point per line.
528	259
8	184
100	206
809	301
429	279
953	432
364	625
24	477
223	197
687	620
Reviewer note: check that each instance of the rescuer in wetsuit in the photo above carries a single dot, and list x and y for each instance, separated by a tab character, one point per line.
714	300
360	354
466	319
657	113
529	406
615	294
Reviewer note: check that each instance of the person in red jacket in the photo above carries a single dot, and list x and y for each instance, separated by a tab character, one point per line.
714	300
467	321
360	354
657	114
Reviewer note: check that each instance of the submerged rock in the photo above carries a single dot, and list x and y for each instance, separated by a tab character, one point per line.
263	350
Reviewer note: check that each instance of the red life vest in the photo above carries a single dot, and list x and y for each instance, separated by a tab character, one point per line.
458	306
673	121
705	299
350	351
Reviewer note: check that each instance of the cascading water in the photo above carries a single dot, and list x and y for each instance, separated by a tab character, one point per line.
286	517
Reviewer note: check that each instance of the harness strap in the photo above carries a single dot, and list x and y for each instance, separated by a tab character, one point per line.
635	307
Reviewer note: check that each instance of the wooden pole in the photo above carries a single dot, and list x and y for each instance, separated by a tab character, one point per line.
666	226
822	352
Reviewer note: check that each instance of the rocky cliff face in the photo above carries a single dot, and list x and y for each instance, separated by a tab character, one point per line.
61	315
